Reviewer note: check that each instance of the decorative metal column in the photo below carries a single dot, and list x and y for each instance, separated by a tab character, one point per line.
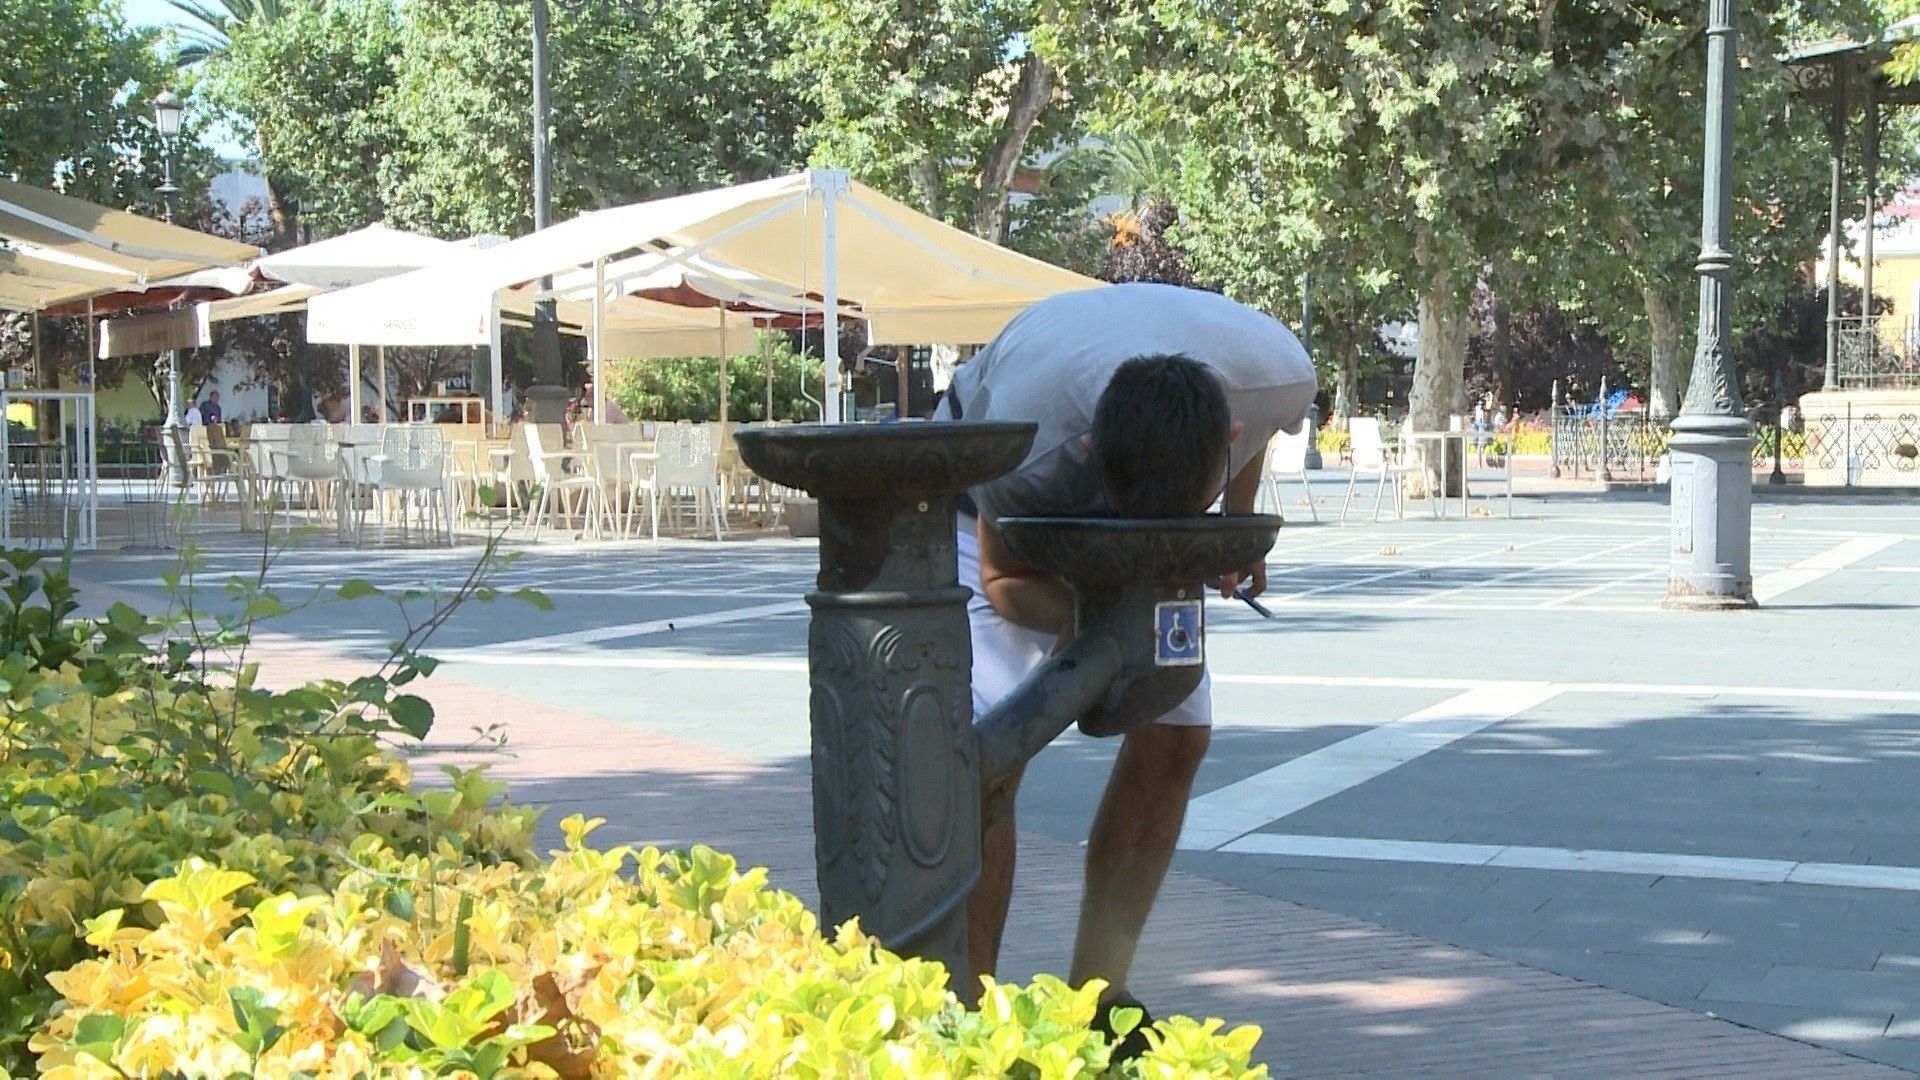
896	790
1712	449
1837	154
898	758
1314	460
167	109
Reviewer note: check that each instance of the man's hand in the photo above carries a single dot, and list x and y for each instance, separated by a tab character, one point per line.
1254	576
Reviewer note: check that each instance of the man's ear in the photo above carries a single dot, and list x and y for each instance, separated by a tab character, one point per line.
1234	432
1086	442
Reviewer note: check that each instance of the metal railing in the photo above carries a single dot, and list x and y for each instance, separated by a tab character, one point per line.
1859	446
1879	353
1603	441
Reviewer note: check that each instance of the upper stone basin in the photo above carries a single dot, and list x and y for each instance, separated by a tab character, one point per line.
885	461
1112	552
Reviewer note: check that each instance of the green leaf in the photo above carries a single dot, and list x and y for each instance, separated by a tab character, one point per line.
98	1034
207	781
356	588
413	714
539	600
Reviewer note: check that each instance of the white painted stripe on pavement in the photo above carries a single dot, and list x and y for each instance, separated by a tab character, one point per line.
656	662
1813	693
1239	808
627	630
1654	863
1417	568
1528	571
1815	567
1582	594
630	661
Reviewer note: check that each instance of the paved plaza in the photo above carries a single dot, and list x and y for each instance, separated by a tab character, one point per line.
1480	732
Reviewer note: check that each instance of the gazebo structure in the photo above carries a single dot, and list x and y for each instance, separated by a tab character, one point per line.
1861	426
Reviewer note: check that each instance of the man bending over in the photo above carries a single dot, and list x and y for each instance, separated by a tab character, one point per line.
1150	400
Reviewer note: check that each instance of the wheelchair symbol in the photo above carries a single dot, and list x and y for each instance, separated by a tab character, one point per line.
1178	633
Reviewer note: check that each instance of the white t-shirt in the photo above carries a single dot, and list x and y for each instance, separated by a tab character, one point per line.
1052	362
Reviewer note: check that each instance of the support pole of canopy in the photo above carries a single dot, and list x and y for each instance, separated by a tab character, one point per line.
93	361
353	384
829	182
723	369
599	347
380	366
499	384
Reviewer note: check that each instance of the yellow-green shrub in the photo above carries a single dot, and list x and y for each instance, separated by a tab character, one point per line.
596	963
203	878
122	755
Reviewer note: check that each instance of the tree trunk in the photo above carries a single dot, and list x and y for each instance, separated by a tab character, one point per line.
1030	97
1437	378
1671	364
280	210
1502	351
1344	386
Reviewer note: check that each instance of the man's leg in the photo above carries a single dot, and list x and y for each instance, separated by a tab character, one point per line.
987	907
1131	843
1003	655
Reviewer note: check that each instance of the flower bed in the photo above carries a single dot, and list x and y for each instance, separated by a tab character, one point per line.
200	877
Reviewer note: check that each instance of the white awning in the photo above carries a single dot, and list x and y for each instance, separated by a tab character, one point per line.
917	280
59	249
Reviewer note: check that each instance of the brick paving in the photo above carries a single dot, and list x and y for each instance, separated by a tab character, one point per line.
1335	996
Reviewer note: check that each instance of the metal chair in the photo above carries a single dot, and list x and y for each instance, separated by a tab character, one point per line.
1287	459
1372	458
412	463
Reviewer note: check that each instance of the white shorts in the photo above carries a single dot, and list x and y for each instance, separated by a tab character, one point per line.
1005	654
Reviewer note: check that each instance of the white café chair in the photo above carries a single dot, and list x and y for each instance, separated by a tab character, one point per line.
312	461
1371	458
689	462
552	480
1287	460
412	465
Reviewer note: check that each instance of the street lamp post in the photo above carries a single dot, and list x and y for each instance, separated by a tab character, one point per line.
1711	562
166	118
547	397
1314	461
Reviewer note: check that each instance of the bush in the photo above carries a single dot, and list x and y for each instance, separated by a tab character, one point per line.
202	878
573	968
1527	441
125	751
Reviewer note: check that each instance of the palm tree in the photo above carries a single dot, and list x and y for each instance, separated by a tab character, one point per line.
213	22
207	36
1146	173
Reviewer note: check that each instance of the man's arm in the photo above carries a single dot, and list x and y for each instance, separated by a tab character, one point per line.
1019	593
1242	490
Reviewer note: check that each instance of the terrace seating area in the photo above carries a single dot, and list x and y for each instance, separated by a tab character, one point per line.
433	483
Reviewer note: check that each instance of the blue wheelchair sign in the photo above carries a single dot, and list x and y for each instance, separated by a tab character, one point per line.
1178	631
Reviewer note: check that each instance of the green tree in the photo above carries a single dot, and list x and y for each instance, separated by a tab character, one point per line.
76	103
208	34
76	115
309	82
937	103
687	388
647	100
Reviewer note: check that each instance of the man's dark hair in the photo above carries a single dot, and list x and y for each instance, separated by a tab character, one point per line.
1161	433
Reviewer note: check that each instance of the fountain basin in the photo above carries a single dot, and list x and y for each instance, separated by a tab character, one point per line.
885	461
1109	553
